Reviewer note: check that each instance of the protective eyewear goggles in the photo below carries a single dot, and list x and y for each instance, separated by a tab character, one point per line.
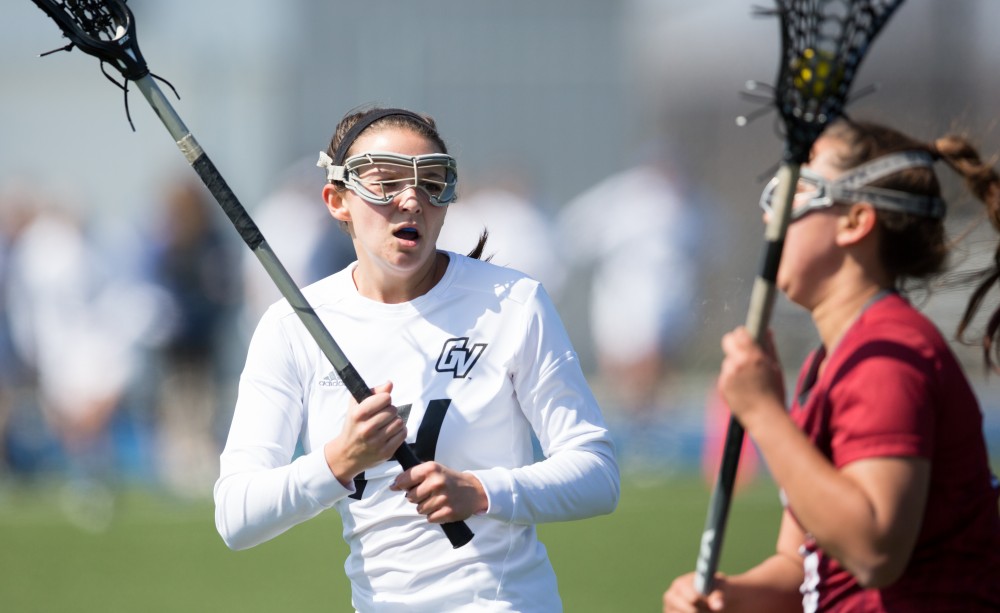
379	176
815	192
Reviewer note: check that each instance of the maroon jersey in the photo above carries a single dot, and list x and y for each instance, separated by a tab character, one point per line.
892	387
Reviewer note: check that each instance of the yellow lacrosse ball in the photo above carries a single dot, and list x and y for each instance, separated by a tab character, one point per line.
816	73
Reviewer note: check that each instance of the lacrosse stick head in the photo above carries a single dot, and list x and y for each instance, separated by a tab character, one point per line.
822	45
102	28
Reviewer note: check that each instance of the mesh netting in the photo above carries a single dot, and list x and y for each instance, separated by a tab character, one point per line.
94	17
822	45
102	28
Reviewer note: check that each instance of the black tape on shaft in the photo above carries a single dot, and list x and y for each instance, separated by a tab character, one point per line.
353	382
227	200
770	260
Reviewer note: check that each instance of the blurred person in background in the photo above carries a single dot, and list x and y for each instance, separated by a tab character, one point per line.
890	502
637	232
16	209
301	234
520	234
70	328
191	259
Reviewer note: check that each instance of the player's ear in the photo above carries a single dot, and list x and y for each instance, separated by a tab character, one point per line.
334	199
856	224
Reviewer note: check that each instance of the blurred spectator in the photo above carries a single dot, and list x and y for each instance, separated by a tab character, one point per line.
295	223
636	232
68	329
717	416
520	235
16	208
192	259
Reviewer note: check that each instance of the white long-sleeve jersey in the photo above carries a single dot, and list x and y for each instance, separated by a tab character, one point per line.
482	360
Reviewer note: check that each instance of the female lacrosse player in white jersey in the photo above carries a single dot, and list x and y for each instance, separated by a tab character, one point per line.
469	359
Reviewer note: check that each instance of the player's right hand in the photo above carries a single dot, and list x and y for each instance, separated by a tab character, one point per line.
750	378
682	597
372	432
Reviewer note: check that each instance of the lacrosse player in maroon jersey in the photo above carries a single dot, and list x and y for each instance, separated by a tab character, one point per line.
890	503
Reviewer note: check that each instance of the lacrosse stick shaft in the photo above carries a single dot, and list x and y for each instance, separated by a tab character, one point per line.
457	532
758	316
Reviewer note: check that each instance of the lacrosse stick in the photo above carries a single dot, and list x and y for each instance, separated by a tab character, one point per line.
822	45
106	30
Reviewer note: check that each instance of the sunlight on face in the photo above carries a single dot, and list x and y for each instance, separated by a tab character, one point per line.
810	254
395	241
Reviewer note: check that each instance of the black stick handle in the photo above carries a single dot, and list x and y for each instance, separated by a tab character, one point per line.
758	316
457	532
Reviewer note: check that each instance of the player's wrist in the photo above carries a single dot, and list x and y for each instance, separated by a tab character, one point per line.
341	468
482	499
764	415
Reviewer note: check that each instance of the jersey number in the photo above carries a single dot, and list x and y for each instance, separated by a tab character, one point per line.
425	445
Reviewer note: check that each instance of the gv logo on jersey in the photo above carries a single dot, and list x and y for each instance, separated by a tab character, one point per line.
458	357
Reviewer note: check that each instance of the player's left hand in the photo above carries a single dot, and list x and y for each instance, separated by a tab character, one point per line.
442	494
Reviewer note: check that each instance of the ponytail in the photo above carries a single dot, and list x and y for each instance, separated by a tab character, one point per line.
983	181
477	251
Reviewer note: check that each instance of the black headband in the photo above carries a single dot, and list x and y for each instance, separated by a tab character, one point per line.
363	122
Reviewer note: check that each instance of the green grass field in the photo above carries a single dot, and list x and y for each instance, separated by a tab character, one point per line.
160	554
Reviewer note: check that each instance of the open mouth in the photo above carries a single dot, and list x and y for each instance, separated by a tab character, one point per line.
408	234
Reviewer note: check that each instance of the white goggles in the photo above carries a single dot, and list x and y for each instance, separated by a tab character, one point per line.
379	176
815	192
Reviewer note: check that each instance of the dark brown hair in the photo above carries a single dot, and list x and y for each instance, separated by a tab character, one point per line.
914	247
